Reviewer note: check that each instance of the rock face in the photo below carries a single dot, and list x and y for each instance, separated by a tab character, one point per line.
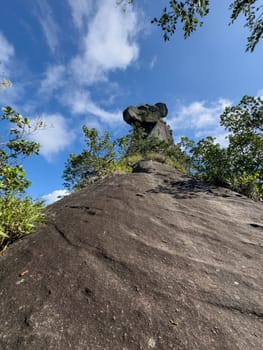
150	260
150	118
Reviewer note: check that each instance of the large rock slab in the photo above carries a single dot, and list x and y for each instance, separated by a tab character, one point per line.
150	260
150	119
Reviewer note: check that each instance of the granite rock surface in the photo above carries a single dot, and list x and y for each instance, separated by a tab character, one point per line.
150	260
150	119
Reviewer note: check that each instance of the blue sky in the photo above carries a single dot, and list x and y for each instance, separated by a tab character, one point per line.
76	62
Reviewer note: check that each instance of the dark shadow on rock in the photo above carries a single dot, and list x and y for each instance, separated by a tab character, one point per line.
179	185
190	188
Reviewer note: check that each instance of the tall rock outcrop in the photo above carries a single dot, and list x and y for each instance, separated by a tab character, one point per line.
150	260
151	119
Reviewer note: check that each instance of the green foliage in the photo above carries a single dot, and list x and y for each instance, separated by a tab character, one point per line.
210	162
18	217
245	150
138	143
246	117
18	214
190	14
153	148
254	20
240	164
16	144
100	158
249	185
13	149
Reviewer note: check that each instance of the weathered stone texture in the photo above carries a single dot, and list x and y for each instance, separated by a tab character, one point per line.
150	118
150	260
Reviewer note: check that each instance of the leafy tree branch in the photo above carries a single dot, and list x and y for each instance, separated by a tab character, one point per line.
191	13
18	213
240	164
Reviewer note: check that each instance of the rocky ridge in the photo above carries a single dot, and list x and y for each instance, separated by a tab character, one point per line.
150	260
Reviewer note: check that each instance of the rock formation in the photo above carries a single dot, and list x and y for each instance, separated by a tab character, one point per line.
150	118
150	260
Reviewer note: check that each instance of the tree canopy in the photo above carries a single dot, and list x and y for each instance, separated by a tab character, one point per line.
103	156
99	158
239	165
190	13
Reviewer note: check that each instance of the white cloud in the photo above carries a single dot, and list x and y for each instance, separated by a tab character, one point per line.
55	137
153	62
222	138
108	42
94	123
10	97
48	24
6	53
54	79
108	45
54	196
201	119
81	103
80	11
260	93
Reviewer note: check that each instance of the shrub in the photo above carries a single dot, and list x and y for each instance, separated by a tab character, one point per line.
96	161
18	214
102	157
240	164
18	217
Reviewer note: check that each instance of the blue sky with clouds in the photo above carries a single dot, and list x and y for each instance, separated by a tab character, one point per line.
76	62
